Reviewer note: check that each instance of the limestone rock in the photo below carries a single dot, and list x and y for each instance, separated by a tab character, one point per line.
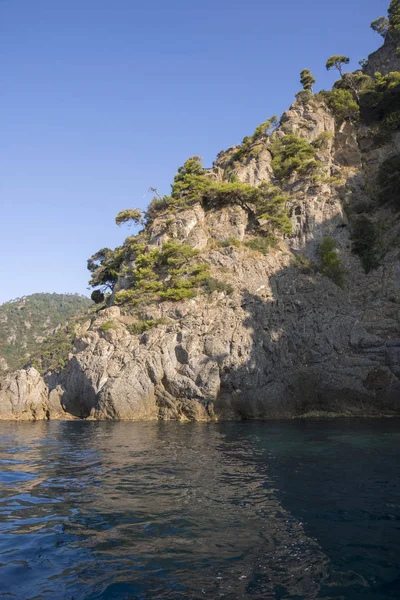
24	396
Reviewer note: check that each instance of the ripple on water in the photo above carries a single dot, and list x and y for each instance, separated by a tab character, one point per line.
171	511
15	476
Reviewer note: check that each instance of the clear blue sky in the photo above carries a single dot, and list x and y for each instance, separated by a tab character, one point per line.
102	98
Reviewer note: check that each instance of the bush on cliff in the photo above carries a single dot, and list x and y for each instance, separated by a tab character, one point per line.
364	236
394	17
170	273
104	266
388	181
130	215
342	104
173	273
267	202
247	146
331	265
380	102
292	154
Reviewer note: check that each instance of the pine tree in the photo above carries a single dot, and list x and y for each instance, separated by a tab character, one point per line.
337	62
130	215
307	80
381	26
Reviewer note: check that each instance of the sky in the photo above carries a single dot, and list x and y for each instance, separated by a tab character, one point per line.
101	99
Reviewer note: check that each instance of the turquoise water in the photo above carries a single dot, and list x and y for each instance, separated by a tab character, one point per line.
297	509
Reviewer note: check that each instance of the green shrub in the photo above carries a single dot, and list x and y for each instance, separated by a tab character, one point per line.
364	236
330	262
392	120
156	206
136	243
394	17
247	146
230	241
192	185
271	211
130	215
97	296
307	80
104	267
268	201
125	296
388	181
107	326
141	326
322	141
170	273
143	292
261	244
342	104
304	96
214	285
175	253
380	101
292	153
178	292
191	171
303	263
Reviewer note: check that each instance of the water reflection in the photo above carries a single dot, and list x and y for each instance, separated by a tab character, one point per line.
158	510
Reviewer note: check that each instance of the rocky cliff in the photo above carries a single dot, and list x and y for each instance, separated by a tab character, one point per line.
386	59
276	332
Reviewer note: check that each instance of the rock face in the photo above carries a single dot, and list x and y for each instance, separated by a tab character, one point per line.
287	341
24	396
385	59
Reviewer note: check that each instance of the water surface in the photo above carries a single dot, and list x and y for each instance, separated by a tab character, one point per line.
296	509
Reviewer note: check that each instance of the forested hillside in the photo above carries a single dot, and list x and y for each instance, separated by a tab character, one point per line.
25	322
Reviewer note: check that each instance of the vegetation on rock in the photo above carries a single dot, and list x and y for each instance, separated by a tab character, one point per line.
130	215
337	62
364	237
176	272
107	325
331	265
260	244
388	181
342	104
389	26
380	101
394	17
170	273
104	266
261	131
292	154
141	326
307	80
97	296
303	264
381	26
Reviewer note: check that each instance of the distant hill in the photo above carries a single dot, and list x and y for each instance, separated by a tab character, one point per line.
25	322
